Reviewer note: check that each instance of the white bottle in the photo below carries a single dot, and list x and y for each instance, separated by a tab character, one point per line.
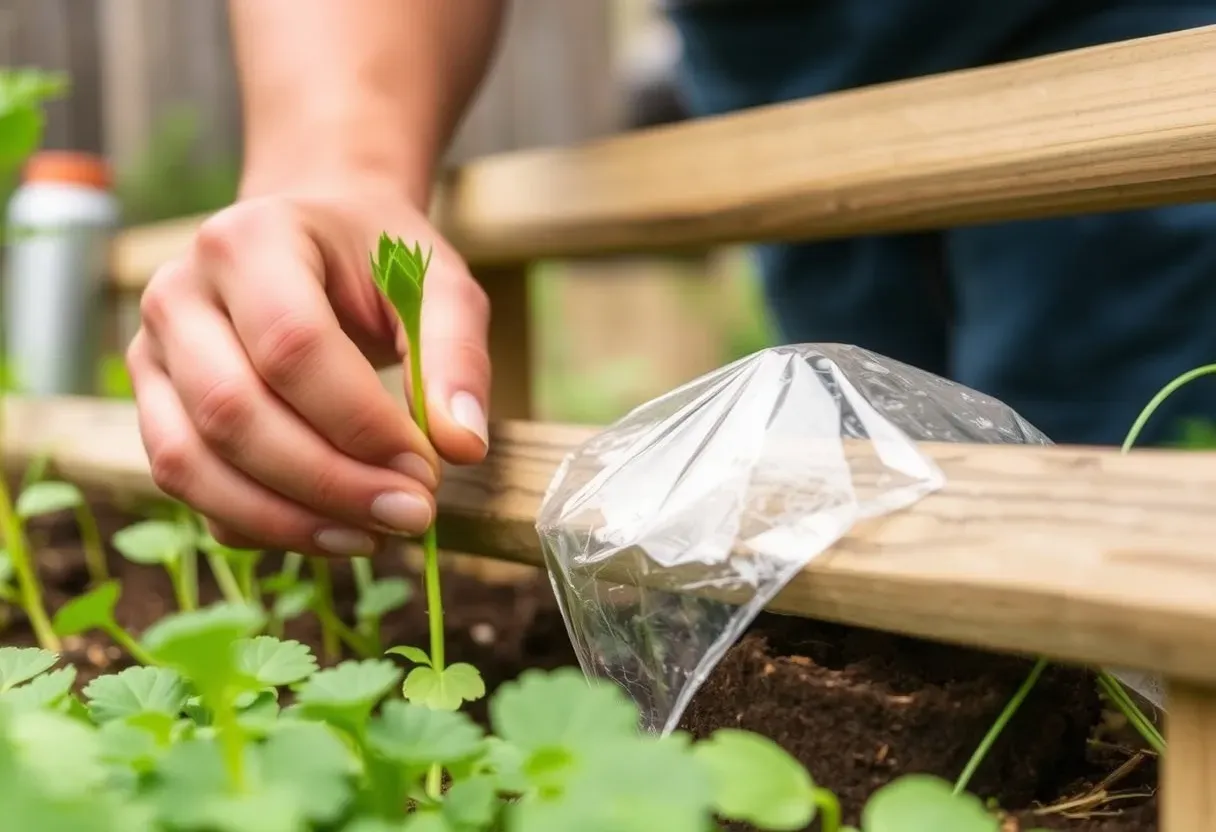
60	223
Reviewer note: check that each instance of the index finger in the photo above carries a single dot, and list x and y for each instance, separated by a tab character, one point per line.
269	276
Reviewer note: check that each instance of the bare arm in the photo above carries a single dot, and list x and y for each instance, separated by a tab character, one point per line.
354	88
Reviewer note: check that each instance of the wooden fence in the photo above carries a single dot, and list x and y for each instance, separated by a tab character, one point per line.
1078	554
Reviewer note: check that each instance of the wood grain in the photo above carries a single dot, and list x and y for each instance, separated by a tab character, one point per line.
1118	126
1188	775
1076	553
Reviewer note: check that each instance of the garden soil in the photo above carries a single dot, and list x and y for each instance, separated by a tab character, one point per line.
856	707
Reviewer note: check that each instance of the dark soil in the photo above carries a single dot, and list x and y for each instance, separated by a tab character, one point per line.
856	707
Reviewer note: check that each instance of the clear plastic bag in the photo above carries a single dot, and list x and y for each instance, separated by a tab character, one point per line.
668	532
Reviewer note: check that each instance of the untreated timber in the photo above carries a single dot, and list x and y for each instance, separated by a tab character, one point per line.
1076	553
1123	125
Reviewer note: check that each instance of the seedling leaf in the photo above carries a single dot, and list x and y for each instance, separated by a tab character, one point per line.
412	735
48	497
294	600
345	695
415	654
274	662
756	781
45	691
63	754
199	644
382	597
471	803
920	803
561	709
153	541
445	689
136	690
20	664
92	611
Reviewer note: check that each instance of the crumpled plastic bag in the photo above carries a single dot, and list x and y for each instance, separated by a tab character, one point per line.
669	531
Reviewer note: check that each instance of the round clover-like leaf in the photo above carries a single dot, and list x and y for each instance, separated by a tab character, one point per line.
414	735
444	689
382	597
274	662
136	690
48	497
921	803
756	781
45	691
153	541
561	709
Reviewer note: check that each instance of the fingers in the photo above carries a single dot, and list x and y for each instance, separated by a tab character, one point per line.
456	362
269	278
238	419
184	468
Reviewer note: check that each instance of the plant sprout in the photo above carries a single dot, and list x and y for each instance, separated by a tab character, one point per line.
163	543
45	497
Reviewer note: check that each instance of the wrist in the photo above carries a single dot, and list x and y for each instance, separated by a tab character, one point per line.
392	173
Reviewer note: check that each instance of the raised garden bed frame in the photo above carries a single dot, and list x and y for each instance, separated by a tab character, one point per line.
1078	554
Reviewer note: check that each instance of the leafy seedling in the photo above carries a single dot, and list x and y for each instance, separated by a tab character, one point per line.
376	599
95	611
162	543
29	595
45	497
235	570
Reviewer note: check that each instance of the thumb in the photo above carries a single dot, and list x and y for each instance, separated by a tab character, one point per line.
456	365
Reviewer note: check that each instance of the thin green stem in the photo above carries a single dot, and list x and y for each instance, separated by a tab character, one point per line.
1118	695
434	782
1157	400
292	561
185	602
434	598
247	578
90	539
364	576
187	577
325	607
27	577
222	571
828	810
124	640
997	727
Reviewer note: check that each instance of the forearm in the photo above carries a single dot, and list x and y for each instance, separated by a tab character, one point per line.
342	89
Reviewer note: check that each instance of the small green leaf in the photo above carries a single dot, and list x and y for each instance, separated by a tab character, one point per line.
273	662
45	691
294	601
561	709
153	542
444	689
136	690
63	753
199	644
471	804
20	664
920	803
92	611
415	654
756	781
48	497
382	597
345	695
412	735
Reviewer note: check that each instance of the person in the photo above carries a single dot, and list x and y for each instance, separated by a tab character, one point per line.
253	366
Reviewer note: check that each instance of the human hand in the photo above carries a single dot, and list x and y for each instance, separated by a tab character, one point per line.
255	382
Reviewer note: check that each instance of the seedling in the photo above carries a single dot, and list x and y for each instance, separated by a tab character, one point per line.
44	497
235	570
166	543
95	611
376	598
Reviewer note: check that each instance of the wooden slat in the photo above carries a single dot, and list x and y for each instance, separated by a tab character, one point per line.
1076	553
1118	126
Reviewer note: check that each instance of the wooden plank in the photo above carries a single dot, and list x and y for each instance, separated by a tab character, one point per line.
1188	777
1080	554
1110	127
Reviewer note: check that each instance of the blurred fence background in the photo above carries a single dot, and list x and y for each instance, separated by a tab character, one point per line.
154	89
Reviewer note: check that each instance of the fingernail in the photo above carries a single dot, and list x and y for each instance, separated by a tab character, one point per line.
401	511
467	412
348	542
416	468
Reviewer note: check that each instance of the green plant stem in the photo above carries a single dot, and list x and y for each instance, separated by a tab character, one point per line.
247	578
364	576
90	539
222	571
177	573
997	727
1157	400
1118	695
124	640
188	578
292	561
325	607
828	807
27	577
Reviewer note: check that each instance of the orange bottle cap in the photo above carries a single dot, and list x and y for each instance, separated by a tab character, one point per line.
69	167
